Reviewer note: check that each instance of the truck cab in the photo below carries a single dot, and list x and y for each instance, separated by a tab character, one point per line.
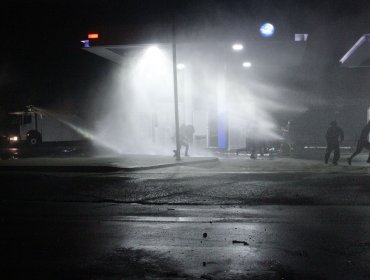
20	127
9	129
29	128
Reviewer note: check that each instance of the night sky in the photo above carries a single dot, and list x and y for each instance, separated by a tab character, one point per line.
42	62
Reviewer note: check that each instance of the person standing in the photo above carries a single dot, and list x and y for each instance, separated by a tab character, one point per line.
334	134
286	146
256	141
183	141
363	142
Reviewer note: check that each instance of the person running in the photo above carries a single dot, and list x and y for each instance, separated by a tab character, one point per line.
334	134
184	141
362	143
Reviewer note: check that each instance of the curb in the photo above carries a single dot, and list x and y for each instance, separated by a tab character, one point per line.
137	168
95	168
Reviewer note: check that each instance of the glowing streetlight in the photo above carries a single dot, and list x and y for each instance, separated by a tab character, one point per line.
247	64
237	47
267	29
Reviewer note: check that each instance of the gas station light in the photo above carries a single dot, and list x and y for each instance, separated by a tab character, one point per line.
153	49
93	36
153	55
180	66
153	61
247	64
237	47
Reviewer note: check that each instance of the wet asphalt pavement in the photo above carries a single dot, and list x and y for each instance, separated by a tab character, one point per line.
209	221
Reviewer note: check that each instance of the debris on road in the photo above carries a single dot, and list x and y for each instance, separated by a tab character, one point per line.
205	235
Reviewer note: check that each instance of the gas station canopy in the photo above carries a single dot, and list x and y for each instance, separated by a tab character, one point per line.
115	53
261	52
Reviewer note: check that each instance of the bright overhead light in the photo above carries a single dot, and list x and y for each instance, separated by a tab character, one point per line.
267	29
238	47
153	56
247	64
181	66
153	49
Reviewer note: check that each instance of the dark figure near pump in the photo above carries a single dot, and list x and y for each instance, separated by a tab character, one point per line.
362	143
186	136
334	134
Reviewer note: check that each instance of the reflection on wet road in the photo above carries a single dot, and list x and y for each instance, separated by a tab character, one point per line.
186	225
131	240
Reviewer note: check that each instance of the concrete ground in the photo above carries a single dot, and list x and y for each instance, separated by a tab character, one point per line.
310	161
98	163
235	218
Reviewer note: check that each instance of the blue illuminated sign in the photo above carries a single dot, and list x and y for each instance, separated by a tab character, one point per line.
222	131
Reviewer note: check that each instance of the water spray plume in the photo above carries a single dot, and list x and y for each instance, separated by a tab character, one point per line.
82	131
139	106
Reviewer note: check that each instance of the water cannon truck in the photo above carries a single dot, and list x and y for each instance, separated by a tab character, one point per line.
35	126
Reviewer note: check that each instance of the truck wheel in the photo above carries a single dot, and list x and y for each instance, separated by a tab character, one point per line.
33	138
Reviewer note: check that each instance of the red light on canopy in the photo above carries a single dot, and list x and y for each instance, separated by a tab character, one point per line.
93	36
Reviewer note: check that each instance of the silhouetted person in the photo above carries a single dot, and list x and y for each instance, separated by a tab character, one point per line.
256	141
333	135
257	145
362	143
286	146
